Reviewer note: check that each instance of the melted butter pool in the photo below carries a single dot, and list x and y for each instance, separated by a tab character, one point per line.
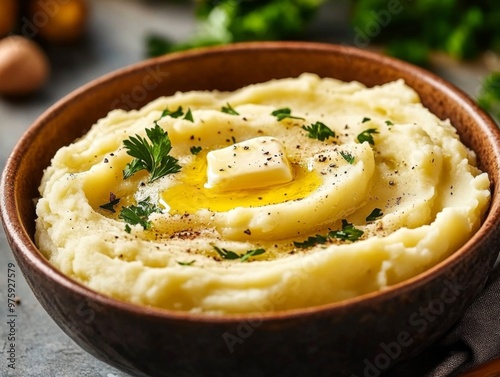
190	195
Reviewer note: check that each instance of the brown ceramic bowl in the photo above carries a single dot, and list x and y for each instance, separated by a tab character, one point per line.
355	337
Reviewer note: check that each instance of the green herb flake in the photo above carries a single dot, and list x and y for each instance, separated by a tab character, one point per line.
374	215
284	113
318	239
319	131
189	116
348	232
128	229
174	114
195	150
139	214
365	120
113	201
348	157
186	263
229	110
389	123
152	157
231	255
367	135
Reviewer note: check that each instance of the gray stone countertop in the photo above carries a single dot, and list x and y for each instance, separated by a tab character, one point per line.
115	39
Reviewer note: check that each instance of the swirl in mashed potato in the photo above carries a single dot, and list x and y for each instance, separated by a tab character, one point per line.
303	219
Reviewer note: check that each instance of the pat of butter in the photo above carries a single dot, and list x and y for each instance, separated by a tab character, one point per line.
254	163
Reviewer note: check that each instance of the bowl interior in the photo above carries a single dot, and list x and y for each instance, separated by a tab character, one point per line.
226	68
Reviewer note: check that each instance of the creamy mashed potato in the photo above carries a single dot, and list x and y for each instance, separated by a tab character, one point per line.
290	193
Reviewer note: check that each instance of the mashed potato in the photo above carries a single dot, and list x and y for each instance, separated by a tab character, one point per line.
285	194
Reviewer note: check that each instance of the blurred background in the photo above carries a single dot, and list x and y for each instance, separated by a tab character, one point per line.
49	48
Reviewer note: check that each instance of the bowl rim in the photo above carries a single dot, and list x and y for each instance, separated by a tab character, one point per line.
18	236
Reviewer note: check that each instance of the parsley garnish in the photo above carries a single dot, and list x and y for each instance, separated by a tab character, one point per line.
152	157
366	135
195	150
284	113
229	110
374	215
348	232
139	214
365	120
186	263
113	201
389	123
318	239
189	116
174	114
319	131
347	156
228	254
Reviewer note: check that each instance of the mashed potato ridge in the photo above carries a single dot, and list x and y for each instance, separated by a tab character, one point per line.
381	190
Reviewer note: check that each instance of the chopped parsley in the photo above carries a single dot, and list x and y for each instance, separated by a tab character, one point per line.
174	114
284	113
348	233
319	131
374	215
113	201
139	214
186	263
367	135
318	239
231	255
229	110
189	116
365	120
195	150
152	157
389	123
347	156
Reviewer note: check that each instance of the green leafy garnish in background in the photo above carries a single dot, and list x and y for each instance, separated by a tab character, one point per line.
489	94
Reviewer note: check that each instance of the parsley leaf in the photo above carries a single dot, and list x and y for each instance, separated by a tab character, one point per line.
284	113
367	135
195	150
152	157
189	116
174	114
186	263
311	241
319	131
231	255
347	156
365	120
139	214
348	232
229	110
389	123
374	215
113	201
